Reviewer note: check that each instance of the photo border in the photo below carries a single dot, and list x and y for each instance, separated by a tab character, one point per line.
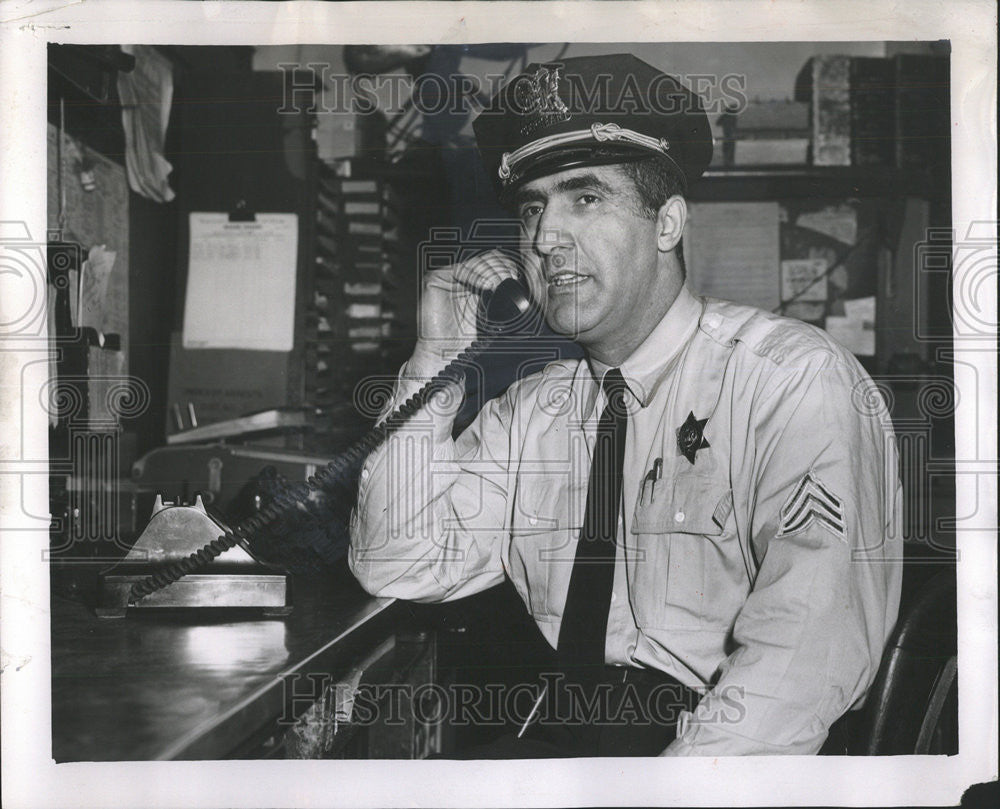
30	778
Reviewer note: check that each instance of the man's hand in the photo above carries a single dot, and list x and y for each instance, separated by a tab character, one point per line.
448	309
449	304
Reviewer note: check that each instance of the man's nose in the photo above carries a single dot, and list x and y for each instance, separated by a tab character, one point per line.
552	238
556	250
552	231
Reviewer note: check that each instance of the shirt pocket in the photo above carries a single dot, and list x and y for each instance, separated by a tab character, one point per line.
545	525
682	555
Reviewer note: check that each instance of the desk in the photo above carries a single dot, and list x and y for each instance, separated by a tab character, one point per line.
188	686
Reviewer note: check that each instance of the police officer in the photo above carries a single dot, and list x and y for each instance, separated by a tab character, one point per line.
704	509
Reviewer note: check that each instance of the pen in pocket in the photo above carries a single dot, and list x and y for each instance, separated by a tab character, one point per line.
652	476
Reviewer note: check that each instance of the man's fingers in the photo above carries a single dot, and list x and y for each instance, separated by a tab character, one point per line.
452	295
443	279
482	273
485	272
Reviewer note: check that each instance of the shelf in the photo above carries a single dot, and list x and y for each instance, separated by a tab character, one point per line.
783	182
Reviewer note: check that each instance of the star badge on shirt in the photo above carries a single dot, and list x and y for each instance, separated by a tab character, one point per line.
690	436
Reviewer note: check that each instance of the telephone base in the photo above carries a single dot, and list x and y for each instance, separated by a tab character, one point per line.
234	580
268	594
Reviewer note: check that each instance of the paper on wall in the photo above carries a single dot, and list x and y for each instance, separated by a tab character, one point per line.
861	309
856	330
839	222
241	282
852	335
94	277
803	279
732	251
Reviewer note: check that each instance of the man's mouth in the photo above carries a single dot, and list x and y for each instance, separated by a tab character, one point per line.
565	279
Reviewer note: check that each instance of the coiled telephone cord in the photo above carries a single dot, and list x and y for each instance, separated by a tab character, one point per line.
334	473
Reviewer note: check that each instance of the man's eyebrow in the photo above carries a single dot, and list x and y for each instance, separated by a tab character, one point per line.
576	183
581	181
524	195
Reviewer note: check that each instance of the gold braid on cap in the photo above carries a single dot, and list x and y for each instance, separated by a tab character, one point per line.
598	132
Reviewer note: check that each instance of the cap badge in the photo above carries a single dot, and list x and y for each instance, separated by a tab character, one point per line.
537	97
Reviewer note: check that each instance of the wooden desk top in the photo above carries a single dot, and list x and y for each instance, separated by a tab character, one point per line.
186	685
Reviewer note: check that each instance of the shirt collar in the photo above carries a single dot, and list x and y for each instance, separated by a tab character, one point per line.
647	365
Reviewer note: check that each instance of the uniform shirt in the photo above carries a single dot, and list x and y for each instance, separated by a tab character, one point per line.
765	574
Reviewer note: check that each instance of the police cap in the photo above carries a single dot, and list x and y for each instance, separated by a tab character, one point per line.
588	111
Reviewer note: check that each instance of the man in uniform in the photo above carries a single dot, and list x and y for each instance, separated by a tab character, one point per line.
703	512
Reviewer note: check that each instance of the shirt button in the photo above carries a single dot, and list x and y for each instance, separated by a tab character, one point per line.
532	520
679	516
364	474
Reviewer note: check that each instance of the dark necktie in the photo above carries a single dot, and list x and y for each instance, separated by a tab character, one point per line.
585	616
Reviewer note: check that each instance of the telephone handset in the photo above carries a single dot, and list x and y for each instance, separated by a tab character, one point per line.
507	310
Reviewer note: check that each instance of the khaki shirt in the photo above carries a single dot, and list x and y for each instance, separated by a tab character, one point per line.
765	574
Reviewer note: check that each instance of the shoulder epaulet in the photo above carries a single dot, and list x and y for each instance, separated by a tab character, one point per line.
767	335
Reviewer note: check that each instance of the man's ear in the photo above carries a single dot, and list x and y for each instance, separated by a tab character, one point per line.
670	222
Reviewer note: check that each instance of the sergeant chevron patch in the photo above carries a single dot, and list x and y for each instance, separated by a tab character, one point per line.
812	502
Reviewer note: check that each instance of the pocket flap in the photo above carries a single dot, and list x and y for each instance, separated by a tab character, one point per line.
694	505
543	505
